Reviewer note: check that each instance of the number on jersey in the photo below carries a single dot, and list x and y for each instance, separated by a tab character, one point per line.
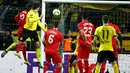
88	31
50	39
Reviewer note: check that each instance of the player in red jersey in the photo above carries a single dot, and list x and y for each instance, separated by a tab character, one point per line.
51	41
86	30
115	47
20	18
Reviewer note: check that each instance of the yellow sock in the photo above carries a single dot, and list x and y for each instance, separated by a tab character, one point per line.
11	47
114	65
38	54
76	69
97	70
71	69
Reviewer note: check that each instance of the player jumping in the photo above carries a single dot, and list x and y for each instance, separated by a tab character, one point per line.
32	20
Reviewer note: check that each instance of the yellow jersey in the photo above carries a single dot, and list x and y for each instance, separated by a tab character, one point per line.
32	20
105	34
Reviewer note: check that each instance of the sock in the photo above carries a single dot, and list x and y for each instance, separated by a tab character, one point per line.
86	66
24	52
11	47
19	47
117	63
79	63
75	69
38	54
103	67
58	69
97	70
45	68
71	69
114	65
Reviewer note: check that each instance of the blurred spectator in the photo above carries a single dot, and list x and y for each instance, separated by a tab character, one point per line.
7	39
69	44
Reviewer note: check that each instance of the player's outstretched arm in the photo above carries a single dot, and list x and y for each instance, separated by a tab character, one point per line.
117	41
40	25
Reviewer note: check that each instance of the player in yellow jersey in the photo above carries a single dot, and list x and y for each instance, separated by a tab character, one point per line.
32	21
105	33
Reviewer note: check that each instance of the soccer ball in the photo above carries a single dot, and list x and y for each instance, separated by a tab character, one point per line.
56	12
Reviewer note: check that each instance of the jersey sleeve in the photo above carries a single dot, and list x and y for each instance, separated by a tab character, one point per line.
96	32
93	31
41	26
16	18
45	35
79	26
114	32
117	29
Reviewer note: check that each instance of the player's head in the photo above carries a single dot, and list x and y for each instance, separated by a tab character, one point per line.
84	16
68	32
110	19
36	7
55	24
28	6
105	19
8	31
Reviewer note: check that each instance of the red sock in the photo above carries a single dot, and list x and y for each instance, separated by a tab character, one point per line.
103	67
58	69
86	66
19	47
79	63
24	52
45	68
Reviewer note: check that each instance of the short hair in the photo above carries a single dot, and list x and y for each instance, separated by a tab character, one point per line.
67	31
56	24
36	5
85	15
28	6
105	18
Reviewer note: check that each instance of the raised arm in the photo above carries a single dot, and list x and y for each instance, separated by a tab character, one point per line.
41	26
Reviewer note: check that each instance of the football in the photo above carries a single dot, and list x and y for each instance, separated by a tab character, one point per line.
56	12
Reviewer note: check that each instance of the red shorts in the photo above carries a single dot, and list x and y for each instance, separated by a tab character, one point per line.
83	52
55	58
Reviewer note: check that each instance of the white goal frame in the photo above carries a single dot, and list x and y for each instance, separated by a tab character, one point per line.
76	1
72	1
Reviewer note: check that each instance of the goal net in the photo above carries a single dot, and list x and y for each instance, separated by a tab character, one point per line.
119	11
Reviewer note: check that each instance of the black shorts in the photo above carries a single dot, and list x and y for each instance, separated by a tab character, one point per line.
26	34
73	57
106	55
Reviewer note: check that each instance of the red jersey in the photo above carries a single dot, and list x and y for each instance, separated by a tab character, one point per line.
20	19
89	31
52	40
117	32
